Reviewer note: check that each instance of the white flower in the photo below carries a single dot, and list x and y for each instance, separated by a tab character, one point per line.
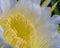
46	27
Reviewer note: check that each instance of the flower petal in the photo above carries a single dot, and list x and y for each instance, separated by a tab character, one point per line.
44	16
0	10
1	32
6	4
47	34
55	19
36	1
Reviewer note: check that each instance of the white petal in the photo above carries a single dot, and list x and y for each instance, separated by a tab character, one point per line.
12	2
55	19
36	1
45	13
47	33
0	11
32	1
44	16
6	4
1	32
56	41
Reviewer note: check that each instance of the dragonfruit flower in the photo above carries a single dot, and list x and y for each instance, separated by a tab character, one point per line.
29	25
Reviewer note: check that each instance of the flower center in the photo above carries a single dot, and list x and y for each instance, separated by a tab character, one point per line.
18	31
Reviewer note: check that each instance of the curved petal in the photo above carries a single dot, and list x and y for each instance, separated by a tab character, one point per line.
47	34
56	41
55	19
4	44
44	16
0	11
32	1
1	32
36	1
6	4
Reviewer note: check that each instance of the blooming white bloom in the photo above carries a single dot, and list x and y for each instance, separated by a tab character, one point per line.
46	27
